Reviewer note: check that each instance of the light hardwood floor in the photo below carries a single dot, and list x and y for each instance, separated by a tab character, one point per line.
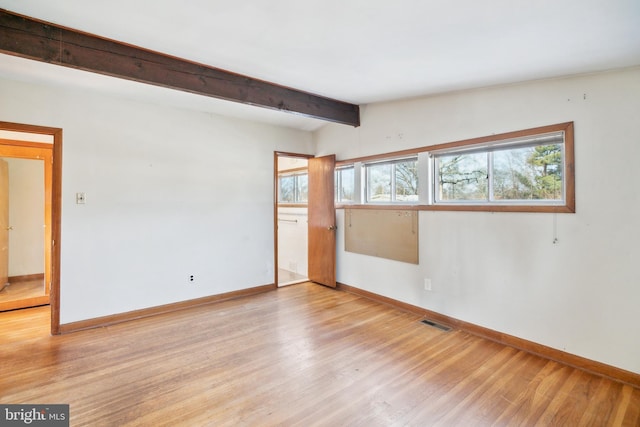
286	277
301	355
22	290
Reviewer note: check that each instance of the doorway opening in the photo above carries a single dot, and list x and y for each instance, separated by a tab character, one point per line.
30	173
291	218
25	224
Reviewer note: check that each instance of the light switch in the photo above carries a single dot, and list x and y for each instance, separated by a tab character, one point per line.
80	198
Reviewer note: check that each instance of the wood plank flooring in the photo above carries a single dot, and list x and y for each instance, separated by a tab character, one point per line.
22	290
302	355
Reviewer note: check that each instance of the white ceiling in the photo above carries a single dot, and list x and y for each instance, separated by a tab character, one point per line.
359	51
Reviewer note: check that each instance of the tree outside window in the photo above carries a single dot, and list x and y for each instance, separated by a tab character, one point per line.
395	181
503	174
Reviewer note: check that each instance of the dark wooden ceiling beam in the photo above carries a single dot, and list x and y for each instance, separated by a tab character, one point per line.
41	41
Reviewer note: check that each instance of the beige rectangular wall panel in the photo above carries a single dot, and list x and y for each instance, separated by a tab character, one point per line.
383	233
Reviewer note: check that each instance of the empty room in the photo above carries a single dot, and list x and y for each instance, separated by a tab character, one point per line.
331	213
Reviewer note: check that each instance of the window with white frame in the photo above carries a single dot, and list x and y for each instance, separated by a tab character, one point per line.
528	170
394	181
293	188
345	184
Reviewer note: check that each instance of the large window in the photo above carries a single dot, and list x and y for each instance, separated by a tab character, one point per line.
392	181
293	188
523	171
527	170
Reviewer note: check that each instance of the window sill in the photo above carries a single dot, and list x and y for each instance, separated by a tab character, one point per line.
292	205
466	208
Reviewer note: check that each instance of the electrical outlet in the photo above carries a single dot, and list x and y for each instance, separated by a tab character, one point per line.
427	284
192	278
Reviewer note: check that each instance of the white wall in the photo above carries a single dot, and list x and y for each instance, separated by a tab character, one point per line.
26	216
169	193
502	270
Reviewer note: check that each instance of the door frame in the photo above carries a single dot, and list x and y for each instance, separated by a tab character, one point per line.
276	155
56	209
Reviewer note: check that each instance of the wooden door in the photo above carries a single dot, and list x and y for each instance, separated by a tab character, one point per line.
322	221
4	223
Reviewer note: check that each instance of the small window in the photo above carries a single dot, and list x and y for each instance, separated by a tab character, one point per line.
392	181
293	188
345	185
526	171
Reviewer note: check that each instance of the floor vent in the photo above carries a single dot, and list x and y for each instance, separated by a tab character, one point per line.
436	325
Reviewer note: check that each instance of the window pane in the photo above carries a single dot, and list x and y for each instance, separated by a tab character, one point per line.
379	183
528	173
286	193
302	189
462	177
345	184
407	181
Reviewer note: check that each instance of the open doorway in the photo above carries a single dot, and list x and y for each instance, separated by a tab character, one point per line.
30	173
291	218
25	220
24	227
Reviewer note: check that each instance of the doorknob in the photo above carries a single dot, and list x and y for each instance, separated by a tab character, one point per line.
332	227
10	228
